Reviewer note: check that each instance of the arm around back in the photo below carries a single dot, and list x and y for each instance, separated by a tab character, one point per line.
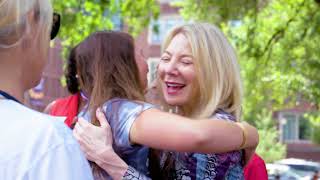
162	130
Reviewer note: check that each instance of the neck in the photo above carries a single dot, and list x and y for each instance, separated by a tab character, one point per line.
11	80
12	88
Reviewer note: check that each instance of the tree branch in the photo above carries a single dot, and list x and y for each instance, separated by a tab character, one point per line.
280	32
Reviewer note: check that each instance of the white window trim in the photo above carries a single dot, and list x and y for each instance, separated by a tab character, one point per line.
280	127
151	60
162	18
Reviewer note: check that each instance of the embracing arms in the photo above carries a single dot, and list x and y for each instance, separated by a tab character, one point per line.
164	131
161	130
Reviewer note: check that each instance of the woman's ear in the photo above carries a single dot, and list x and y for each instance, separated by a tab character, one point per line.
29	30
32	19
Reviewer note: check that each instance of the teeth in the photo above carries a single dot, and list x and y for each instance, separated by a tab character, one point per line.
174	85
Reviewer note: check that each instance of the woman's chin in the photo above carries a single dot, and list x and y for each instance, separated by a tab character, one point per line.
174	101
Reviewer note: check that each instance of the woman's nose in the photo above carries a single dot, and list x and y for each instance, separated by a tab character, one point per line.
171	68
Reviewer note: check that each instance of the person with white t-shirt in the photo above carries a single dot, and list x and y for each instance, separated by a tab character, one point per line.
32	145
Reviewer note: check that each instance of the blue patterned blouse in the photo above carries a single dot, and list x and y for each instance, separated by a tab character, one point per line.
198	166
121	113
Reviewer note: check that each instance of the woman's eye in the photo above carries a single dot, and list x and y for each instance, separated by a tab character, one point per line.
186	62
165	59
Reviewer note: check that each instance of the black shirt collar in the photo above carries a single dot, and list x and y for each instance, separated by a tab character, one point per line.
8	96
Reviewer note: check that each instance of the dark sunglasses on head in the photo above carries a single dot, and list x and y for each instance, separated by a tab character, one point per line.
55	25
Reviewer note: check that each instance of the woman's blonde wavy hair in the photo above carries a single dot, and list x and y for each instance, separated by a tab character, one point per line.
218	76
14	24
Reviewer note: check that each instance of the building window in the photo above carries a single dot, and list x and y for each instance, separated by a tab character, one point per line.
117	23
294	127
163	25
305	128
152	75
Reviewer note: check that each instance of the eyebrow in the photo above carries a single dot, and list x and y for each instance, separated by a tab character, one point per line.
167	52
182	56
187	55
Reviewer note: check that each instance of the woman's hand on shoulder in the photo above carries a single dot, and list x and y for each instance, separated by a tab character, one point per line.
96	143
94	140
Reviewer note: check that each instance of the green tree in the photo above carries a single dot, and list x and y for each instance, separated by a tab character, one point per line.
269	147
82	17
277	43
220	11
315	120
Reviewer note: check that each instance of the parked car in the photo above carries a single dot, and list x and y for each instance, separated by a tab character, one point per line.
282	172
301	166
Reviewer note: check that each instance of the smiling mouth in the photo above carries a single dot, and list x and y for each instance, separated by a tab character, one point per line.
174	88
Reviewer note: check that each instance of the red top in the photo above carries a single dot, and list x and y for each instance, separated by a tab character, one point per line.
256	169
67	106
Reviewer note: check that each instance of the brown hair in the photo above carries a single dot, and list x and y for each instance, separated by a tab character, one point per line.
71	72
107	68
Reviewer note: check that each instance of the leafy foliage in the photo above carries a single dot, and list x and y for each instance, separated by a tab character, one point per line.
278	46
82	17
315	120
269	147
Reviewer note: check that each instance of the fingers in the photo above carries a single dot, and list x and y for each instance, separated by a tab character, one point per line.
102	118
84	124
86	150
80	135
90	157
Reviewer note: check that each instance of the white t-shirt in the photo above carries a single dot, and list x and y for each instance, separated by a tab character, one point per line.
36	146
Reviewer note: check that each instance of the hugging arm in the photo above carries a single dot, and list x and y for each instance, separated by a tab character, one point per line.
161	130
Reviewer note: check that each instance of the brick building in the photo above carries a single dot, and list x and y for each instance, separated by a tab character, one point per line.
50	87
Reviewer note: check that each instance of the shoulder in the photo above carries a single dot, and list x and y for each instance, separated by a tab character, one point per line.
61	106
223	115
49	107
121	104
65	100
32	134
257	161
23	119
256	168
37	122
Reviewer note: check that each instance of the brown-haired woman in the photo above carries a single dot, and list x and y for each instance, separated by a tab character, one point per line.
116	87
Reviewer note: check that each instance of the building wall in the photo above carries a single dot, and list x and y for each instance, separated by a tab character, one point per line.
50	87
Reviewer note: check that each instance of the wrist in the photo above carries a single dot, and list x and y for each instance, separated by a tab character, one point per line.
251	135
244	135
112	163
